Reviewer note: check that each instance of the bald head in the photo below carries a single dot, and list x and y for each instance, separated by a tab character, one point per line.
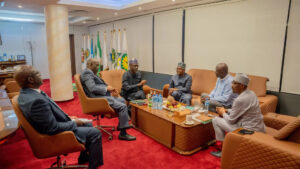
93	64
221	70
28	77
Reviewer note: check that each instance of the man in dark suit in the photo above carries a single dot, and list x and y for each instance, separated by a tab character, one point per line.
46	117
94	86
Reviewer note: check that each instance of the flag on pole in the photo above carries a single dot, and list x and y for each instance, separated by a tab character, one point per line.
88	50
92	48
99	53
105	59
119	50
113	50
124	58
83	56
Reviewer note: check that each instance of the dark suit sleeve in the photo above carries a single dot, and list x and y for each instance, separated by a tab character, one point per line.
171	84
41	114
89	82
125	83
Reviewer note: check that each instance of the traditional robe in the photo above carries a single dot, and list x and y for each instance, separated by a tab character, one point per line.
245	113
183	84
130	88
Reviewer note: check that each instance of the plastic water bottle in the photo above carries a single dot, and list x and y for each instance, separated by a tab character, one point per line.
154	101
160	101
206	106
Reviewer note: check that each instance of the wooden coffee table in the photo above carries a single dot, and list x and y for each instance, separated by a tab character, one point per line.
171	131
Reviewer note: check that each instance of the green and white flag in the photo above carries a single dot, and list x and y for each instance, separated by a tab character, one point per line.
113	50
99	51
119	50
105	59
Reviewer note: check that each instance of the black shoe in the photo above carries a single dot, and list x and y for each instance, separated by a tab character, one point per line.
127	137
216	153
83	158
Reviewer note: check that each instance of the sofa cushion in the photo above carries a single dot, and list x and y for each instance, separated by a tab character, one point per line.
258	85
204	81
289	129
271	131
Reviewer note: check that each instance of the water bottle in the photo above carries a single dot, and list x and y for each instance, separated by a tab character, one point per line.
154	102
160	102
206	106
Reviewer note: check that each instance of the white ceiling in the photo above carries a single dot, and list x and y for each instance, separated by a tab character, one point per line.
86	15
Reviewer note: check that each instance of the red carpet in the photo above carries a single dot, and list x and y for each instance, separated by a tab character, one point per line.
144	153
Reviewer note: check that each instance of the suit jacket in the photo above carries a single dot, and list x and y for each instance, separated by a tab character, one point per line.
44	114
93	85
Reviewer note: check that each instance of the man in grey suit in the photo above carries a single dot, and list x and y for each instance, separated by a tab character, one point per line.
94	86
46	117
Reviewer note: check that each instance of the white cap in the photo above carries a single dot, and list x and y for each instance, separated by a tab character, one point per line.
242	79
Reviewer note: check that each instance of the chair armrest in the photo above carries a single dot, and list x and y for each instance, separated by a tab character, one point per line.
11	95
96	106
166	90
277	121
146	89
258	150
61	143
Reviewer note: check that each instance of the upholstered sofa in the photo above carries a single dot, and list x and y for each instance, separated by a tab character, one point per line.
204	81
114	79
279	147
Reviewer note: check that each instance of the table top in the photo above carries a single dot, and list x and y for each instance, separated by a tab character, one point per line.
169	116
8	118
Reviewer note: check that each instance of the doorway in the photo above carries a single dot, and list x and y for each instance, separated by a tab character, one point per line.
72	54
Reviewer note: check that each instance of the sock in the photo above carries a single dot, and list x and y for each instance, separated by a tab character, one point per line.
219	145
123	132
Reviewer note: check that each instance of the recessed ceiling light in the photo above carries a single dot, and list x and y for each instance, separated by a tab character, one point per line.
83	22
20	6
116	13
140	8
173	0
98	18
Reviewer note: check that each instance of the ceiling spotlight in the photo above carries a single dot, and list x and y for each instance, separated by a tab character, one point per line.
20	6
83	22
173	0
98	18
140	8
116	13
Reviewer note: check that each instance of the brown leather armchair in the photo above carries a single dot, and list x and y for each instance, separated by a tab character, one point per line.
95	107
12	88
264	150
44	146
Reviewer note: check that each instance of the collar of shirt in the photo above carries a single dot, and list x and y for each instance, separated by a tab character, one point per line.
225	78
37	90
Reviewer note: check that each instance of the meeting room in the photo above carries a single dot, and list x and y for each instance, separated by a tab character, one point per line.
149	84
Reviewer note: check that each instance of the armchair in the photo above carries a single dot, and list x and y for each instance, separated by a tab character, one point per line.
44	146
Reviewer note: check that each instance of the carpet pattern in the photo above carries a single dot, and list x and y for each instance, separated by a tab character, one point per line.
144	153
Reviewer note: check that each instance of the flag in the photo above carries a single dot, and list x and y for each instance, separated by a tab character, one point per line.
119	50
113	50
99	54
124	58
88	48
92	48
105	59
83	56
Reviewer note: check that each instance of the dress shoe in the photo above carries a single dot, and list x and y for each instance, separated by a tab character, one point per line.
216	153
126	137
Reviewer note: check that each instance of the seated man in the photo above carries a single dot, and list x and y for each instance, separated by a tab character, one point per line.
222	95
94	86
180	85
132	83
47	118
245	112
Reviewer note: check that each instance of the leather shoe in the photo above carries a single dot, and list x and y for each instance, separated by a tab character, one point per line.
216	153
127	137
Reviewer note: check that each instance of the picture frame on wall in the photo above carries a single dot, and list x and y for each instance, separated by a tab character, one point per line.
21	57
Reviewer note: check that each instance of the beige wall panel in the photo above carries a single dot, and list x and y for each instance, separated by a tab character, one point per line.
291	71
57	30
248	35
167	41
